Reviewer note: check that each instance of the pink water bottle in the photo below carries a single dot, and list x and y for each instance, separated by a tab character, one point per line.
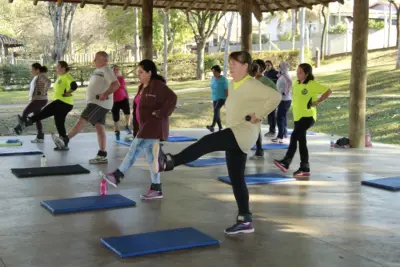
103	187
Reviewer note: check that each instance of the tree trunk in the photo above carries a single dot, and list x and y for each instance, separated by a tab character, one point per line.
200	60
324	29
227	41
147	29
135	46
358	81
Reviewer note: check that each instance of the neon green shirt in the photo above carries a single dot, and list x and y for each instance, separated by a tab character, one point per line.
302	94
239	83
62	85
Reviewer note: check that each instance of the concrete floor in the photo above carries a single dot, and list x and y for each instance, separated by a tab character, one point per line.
330	220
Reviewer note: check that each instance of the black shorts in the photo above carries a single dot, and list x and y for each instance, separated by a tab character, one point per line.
94	114
120	105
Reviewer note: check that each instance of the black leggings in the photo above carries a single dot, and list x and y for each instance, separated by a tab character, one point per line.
59	110
259	143
300	134
218	104
235	159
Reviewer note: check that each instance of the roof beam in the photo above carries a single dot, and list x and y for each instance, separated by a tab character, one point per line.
126	4
257	12
301	2
275	2
82	4
209	5
170	4
105	3
59	2
191	4
225	6
35	2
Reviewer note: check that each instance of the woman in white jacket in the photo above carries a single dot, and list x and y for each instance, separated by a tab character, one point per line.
284	87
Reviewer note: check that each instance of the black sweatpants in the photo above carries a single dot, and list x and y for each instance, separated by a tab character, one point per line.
235	158
59	110
299	134
35	106
259	143
218	104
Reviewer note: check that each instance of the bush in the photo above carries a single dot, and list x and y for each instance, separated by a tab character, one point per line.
375	24
287	36
14	75
338	28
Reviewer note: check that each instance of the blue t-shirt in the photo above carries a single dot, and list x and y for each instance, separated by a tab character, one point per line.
218	87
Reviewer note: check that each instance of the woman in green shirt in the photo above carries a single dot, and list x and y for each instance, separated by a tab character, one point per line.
62	104
257	71
305	101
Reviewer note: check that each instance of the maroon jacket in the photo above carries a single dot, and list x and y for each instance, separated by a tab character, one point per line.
157	103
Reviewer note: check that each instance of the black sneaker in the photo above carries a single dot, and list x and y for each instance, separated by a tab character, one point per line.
210	128
258	155
283	164
240	227
303	171
165	162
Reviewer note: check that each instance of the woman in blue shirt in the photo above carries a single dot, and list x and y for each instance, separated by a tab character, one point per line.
219	86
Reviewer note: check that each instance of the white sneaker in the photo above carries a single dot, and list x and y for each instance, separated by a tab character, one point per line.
37	141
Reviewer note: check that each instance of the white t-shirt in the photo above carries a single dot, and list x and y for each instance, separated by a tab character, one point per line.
98	84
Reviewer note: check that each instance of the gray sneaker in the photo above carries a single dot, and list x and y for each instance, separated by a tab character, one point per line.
98	160
58	141
37	141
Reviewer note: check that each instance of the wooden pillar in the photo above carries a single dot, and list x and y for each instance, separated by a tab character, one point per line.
358	80
147	29
246	13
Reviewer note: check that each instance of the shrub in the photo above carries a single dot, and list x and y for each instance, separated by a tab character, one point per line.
338	28
375	24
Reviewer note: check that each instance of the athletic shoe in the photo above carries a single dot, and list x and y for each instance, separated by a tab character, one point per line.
257	155
240	227
37	141
164	164
152	194
269	134
301	173
110	178
58	141
277	140
156	152
210	128
61	149
117	136
98	160
127	130
283	165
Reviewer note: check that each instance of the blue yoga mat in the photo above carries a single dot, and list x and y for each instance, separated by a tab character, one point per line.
122	142
156	242
180	138
206	162
18	151
262	178
391	183
272	146
77	204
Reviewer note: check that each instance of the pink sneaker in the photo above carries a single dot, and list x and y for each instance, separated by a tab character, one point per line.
110	178
152	194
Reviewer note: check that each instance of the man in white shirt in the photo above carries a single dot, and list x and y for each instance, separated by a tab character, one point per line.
99	98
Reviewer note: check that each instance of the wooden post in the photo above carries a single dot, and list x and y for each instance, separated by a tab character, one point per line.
358	80
147	29
246	13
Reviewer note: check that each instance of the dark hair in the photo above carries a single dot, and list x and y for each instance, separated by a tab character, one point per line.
243	57
37	66
258	65
64	65
216	68
148	65
308	71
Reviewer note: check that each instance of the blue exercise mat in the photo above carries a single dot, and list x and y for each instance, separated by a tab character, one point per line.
206	162
77	204
262	178
156	242
180	138
18	151
272	146
391	183
122	142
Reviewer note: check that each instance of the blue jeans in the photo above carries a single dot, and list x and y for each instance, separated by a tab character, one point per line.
139	144
282	118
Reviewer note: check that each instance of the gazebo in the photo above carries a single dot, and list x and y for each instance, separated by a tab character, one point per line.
246	8
8	42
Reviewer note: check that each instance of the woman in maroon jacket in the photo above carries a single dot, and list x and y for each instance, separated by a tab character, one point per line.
152	106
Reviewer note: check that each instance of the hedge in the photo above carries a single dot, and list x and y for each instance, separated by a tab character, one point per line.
181	67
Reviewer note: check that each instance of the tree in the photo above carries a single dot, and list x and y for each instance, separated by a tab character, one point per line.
325	15
178	33
61	17
203	24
